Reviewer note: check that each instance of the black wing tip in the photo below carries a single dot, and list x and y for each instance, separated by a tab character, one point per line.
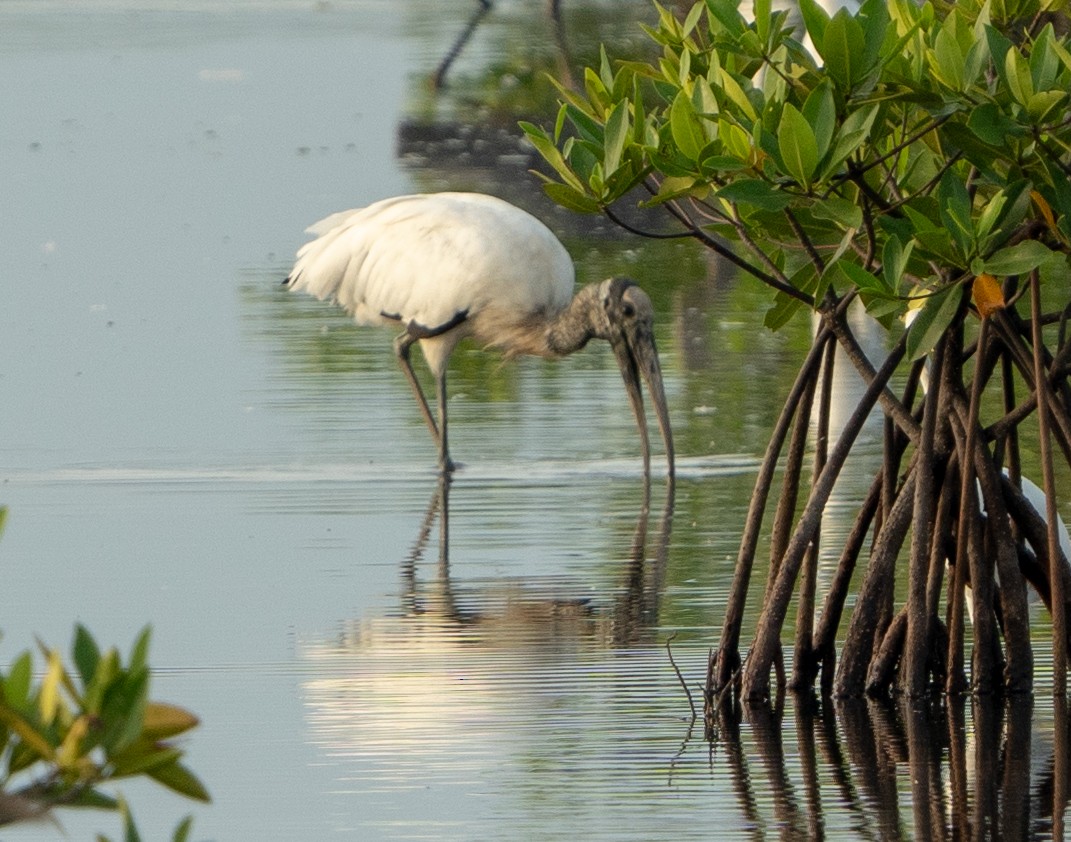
419	331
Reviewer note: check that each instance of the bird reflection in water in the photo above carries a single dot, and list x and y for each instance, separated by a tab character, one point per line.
525	615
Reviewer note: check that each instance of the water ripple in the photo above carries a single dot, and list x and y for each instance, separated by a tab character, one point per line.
549	472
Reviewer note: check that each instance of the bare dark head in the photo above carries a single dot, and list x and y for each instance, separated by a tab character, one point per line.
626	321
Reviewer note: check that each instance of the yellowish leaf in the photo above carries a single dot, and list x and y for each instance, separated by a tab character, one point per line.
49	700
70	749
164	720
1044	209
988	295
26	732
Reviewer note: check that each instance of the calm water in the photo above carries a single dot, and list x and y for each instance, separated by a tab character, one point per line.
183	443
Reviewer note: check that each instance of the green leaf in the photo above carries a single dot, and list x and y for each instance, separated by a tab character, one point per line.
721	165
821	114
874	19
845	213
938	242
704	101
692	19
123	710
639	115
103	676
860	120
1017	259
989	215
177	777
786	306
606	73
617	132
883	309
736	141
684	67
130	830
754	191
139	654
17	683
1018	76
853	132
816	21
990	124
545	147
782	311
894	257
142	757
736	95
797	144
977	58
727	13
932	321
86	654
93	799
684	124
843	47
948	59
862	279
559	124
596	90
761	13
999	45
1044	62
182	830
1061	53
587	127
582	157
1041	104
843	246
954	204
570	198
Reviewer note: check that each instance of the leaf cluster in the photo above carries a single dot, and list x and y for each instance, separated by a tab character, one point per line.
897	153
74	729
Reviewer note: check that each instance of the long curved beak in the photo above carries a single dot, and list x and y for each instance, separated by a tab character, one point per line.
637	357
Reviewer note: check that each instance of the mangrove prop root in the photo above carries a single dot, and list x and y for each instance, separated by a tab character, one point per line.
728	649
1046	419
951	524
756	677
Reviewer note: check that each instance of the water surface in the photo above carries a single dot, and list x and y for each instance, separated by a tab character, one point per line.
184	443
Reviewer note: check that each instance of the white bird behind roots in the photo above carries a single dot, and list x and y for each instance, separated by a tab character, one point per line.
1032	493
445	266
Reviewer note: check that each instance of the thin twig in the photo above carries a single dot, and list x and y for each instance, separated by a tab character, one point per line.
680	678
1059	619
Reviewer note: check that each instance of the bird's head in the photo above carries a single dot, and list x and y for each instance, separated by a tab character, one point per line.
625	319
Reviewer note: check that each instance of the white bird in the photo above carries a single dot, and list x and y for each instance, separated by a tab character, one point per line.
445	266
1032	493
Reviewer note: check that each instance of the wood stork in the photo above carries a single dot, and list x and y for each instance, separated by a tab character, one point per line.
445	266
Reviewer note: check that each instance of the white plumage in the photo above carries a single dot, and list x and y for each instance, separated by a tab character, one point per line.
428	258
445	266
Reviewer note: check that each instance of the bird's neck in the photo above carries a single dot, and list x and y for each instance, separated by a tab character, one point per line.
576	324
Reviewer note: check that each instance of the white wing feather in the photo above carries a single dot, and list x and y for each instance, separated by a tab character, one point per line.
428	258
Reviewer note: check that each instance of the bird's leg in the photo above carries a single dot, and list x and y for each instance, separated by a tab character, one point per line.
439	80
401	347
446	464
